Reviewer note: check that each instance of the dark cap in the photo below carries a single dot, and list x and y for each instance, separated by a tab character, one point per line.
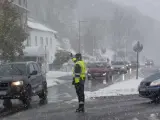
78	56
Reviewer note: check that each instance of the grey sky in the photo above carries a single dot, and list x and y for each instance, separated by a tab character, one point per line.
147	7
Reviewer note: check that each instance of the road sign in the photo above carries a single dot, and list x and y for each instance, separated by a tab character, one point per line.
138	47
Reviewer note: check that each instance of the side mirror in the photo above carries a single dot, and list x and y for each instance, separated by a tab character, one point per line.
34	73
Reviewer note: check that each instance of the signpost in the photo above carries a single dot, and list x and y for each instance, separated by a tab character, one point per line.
138	47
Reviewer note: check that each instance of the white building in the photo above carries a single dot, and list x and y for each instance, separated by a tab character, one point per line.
42	41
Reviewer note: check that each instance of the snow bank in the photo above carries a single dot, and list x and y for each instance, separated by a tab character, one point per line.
52	77
122	88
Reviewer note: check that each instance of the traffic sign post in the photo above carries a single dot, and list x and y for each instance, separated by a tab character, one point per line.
138	47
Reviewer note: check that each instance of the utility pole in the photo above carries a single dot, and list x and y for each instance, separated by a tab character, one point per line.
80	34
94	46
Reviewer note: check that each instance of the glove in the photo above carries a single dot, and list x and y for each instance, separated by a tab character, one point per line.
73	83
71	55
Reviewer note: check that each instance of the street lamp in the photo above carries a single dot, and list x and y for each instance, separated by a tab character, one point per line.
80	34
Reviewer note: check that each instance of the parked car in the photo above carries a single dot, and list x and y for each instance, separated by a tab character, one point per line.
99	71
119	67
21	80
149	63
150	87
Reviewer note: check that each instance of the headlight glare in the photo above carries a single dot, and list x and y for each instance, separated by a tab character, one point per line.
155	83
104	74
17	83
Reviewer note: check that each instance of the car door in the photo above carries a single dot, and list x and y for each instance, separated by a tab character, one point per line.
39	79
32	77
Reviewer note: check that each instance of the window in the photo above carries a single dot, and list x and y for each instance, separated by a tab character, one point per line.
28	41
31	68
36	41
55	36
47	41
41	40
39	68
36	68
50	41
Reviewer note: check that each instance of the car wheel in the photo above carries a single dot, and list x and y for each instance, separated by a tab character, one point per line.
7	103
26	97
44	93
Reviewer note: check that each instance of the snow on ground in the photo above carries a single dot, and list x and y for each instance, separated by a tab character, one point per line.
122	88
53	75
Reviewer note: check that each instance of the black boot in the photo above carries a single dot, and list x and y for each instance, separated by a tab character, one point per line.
81	108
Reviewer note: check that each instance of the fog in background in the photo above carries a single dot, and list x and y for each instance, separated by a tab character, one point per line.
150	8
112	24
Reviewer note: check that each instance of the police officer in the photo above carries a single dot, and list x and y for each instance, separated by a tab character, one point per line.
79	80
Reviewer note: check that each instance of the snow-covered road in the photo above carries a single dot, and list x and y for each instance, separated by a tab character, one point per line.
52	76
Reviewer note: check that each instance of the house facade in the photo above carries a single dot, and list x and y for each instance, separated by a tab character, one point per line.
41	43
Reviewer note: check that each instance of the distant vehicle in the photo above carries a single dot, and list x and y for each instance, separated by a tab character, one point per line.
119	67
21	80
149	63
150	87
99	71
127	64
133	64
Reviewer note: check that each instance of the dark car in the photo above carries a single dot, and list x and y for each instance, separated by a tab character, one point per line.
150	87
99	71
133	64
119	67
21	80
149	63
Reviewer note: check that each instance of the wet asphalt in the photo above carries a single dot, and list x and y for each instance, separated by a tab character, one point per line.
59	106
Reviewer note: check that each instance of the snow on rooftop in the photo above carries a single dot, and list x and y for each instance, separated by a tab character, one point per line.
35	25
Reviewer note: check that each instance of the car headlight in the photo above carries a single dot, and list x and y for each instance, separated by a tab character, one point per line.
17	83
89	74
104	74
155	83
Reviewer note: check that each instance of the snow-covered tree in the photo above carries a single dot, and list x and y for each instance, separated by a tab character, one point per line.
12	34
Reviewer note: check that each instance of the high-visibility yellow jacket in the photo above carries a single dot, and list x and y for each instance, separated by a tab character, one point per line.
80	71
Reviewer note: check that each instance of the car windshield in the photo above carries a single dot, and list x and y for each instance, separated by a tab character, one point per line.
12	69
117	63
97	65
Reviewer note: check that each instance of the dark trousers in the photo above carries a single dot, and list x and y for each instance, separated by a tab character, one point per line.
80	92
